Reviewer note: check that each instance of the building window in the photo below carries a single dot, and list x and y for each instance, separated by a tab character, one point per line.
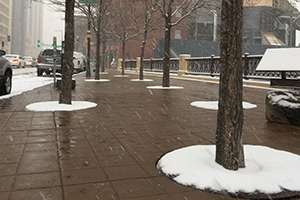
177	34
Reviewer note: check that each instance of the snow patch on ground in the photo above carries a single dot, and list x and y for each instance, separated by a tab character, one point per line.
25	80
268	171
213	105
55	106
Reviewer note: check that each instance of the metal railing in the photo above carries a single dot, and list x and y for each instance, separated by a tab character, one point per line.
210	66
156	65
153	64
130	64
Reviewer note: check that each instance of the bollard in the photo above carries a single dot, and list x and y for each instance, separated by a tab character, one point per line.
212	65
138	64
183	64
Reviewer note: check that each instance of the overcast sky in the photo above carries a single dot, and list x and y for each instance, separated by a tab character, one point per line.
54	25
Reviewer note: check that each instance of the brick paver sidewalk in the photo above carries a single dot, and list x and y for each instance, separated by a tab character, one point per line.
110	151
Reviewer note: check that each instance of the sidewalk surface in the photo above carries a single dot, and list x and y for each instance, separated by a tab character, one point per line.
109	152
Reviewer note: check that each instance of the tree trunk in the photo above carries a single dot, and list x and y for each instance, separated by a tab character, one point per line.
88	66
97	70
123	57
143	53
166	61
103	51
67	67
229	147
99	21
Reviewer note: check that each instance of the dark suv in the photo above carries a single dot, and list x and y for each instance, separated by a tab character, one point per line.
45	61
5	74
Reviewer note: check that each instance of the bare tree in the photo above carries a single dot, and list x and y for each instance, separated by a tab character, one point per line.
125	24
229	147
96	12
102	8
104	39
168	9
150	16
65	96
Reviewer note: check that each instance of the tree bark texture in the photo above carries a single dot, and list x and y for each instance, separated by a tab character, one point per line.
229	147
67	67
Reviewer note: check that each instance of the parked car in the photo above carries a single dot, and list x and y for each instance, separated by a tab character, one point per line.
16	60
45	61
5	74
29	61
78	62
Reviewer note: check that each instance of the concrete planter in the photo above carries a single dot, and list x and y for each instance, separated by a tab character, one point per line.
283	107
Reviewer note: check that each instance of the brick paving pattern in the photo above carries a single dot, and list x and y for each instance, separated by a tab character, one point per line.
109	151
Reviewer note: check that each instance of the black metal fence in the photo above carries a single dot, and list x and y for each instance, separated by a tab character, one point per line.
153	65
210	66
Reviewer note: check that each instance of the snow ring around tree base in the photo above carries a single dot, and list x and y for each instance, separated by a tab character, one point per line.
120	76
268	172
213	105
55	106
95	80
164	88
145	80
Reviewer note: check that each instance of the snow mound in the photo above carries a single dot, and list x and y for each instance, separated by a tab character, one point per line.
267	171
55	106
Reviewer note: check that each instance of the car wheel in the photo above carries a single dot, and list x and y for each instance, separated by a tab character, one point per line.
7	83
39	72
19	65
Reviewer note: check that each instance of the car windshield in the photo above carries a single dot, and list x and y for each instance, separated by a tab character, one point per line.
49	52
